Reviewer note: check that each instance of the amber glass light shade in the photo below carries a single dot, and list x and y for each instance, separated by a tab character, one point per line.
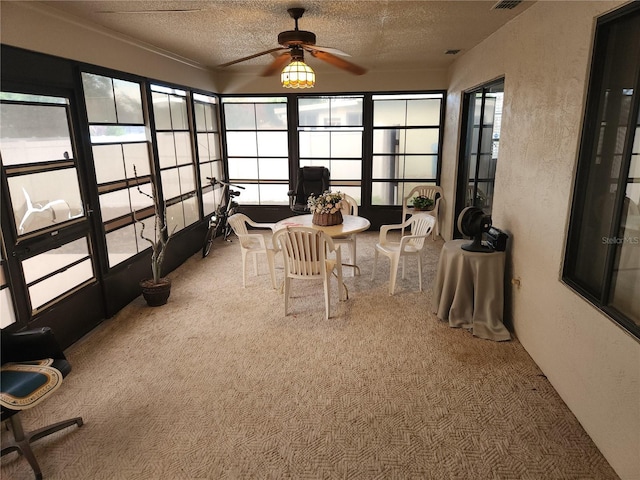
298	75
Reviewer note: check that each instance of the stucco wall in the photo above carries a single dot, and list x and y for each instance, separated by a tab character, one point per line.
544	55
41	29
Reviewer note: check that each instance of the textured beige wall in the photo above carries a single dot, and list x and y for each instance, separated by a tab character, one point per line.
544	55
38	28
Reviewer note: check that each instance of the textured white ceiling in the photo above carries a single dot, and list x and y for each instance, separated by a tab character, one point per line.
378	34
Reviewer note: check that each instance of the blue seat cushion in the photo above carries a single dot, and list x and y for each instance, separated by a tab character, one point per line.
24	385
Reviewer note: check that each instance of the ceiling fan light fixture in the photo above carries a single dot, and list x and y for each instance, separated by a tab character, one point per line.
293	44
298	75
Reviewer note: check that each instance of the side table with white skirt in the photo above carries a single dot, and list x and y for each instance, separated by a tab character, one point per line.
469	290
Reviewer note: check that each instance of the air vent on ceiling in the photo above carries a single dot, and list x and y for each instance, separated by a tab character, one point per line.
506	4
452	52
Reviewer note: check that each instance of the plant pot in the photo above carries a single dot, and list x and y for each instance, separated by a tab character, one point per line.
156	294
423	209
327	219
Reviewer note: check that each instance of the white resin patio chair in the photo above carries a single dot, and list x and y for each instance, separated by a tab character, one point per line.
304	251
254	244
432	191
421	225
349	207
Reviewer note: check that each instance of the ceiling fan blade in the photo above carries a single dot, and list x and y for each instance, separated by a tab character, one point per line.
339	62
332	50
277	65
162	10
251	56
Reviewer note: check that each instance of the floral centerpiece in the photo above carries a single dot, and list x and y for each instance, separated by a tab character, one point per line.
422	202
326	208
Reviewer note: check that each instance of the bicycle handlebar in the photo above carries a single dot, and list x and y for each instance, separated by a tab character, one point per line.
214	180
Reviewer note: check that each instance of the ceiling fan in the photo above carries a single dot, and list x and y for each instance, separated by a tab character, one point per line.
293	43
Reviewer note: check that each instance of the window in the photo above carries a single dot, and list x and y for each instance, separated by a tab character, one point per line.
403	138
258	148
38	159
120	154
208	141
175	155
51	274
483	121
406	144
603	248
330	135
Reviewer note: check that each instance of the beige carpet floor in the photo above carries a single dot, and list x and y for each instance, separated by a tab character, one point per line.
219	384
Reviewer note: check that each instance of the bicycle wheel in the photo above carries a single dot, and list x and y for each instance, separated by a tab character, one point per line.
215	230
208	240
227	232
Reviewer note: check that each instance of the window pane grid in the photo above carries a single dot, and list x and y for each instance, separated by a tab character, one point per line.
208	146
338	111
177	165
38	159
112	101
51	274
406	144
122	160
258	148
330	134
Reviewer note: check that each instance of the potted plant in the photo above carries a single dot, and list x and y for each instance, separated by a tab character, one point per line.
422	202
156	290
326	208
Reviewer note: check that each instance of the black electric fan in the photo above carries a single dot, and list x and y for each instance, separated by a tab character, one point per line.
473	222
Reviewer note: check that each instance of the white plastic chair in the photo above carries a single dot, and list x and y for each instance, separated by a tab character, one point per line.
304	251
421	225
349	207
432	191
254	244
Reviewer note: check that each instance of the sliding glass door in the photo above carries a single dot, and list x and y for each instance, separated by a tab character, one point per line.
482	118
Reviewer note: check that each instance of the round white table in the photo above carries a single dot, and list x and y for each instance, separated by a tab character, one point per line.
350	224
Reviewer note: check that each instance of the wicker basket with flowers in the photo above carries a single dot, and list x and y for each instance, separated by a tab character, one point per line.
326	208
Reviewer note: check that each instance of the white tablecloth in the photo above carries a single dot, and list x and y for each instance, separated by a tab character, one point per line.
350	224
469	290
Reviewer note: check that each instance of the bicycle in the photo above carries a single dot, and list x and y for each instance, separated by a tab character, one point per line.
218	225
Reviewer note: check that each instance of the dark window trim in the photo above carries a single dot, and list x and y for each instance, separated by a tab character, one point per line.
589	136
